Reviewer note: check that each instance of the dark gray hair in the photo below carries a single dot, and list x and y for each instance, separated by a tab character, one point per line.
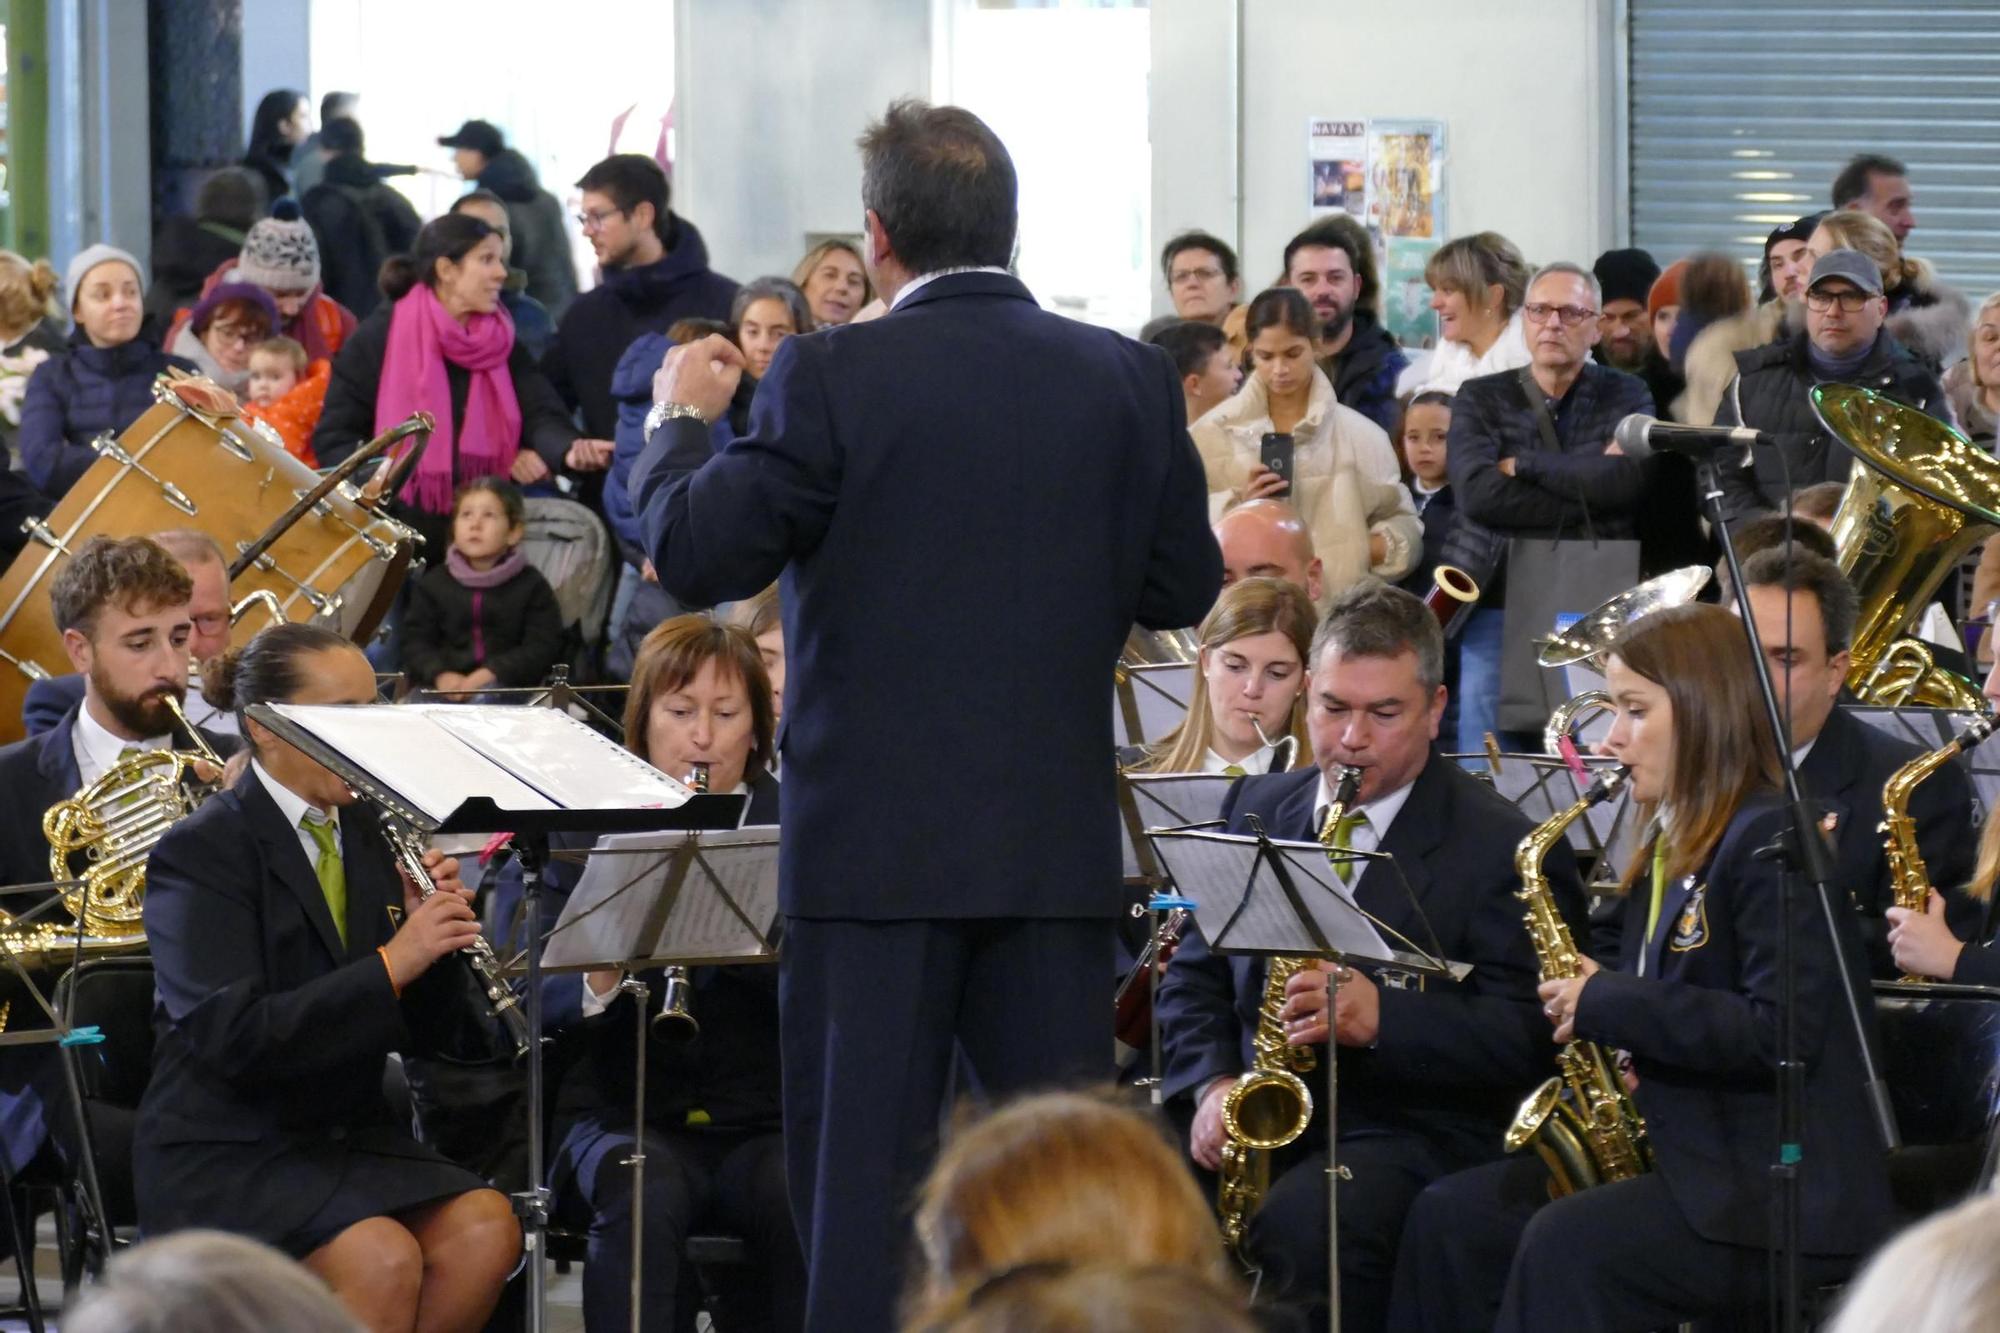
207	1282
1805	571
1372	619
1588	278
943	186
772	289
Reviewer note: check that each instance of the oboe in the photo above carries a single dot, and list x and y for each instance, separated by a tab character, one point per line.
478	955
676	1022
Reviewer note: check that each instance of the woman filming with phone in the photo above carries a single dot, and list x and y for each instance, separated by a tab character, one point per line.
1283	434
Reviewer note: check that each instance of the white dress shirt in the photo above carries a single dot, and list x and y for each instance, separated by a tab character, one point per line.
294	807
97	750
924	279
1257	761
1381	812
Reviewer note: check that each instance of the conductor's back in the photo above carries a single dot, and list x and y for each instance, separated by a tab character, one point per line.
970	502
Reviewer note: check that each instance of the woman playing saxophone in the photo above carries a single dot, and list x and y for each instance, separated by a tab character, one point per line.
1924	945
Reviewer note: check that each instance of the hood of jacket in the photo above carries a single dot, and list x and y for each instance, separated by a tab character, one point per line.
1931	320
508	175
632	377
644	286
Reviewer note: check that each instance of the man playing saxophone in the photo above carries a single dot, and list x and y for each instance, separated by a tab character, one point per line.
1429	1076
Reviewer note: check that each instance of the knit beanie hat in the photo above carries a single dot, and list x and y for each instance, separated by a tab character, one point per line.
280	253
1666	289
88	259
223	293
1625	275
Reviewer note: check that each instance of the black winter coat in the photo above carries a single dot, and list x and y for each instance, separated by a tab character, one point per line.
541	242
515	630
358	222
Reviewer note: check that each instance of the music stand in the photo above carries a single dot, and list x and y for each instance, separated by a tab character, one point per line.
536	773
1541	786
678	900
1256	896
1150	700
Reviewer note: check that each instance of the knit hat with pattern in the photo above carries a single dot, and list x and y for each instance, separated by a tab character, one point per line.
280	254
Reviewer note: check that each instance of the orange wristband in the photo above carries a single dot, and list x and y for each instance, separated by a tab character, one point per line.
394	985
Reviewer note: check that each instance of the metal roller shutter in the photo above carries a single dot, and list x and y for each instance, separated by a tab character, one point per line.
1743	112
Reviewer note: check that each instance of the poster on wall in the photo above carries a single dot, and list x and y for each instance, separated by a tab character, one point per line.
1406	296
1405	195
1337	156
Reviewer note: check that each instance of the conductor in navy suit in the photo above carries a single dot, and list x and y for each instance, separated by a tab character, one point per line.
969	502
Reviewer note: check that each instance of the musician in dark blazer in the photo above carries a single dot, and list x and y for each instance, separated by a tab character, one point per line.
1930	943
277	1012
969	502
1843	763
1429	1075
1696	1003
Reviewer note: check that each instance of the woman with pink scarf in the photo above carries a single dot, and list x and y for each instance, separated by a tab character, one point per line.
442	344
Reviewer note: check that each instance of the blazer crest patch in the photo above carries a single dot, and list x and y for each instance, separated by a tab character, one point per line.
1691	927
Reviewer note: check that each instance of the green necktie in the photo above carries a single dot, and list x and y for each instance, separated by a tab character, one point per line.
1235	771
1659	891
327	867
1343	841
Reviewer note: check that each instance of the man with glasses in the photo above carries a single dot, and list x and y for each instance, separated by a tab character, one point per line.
1531	455
1843	343
1201	275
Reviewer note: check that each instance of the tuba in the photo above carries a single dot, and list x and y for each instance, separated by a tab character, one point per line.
1270	1106
1582	1122
1909	879
1919	498
1588	639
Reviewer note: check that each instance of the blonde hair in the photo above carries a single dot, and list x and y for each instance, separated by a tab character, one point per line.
291	349
1100	1298
1940	1276
1470	264
1852	229
27	291
1058	1178
1247	607
821	251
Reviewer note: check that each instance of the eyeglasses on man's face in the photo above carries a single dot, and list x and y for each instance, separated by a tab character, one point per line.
1848	299
1569	316
596	218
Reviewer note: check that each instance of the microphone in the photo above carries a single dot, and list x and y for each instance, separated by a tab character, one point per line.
1641	436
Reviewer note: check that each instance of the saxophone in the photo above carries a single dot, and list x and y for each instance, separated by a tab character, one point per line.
1909	880
1582	1122
1270	1106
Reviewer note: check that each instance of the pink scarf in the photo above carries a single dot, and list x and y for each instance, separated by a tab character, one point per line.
422	338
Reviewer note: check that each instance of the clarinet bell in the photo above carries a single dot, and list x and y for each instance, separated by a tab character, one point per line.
675	1023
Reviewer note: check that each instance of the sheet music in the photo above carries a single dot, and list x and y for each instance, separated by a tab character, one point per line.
615	916
702	922
1211	869
1161	695
575	767
1170	800
434	770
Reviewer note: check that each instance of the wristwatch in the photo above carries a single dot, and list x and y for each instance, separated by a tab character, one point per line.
662	413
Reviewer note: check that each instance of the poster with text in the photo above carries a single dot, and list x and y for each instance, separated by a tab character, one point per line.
1406	296
1406	179
1337	153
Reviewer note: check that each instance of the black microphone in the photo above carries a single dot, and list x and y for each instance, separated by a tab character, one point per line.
1641	436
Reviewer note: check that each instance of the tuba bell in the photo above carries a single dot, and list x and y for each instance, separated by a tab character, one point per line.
1588	639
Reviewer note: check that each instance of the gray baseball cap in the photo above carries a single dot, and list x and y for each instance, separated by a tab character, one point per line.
1856	267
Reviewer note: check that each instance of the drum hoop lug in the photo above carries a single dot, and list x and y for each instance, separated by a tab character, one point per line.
39	529
236	446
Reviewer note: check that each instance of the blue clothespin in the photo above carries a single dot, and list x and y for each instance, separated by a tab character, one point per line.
1167	902
86	1036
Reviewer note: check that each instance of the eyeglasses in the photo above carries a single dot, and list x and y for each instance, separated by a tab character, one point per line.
1850	301
1569	315
592	221
235	333
1193	275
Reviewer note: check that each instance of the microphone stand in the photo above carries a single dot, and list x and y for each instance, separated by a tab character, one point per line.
1801	853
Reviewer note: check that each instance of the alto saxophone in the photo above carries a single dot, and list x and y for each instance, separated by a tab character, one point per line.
1270	1106
1582	1122
1909	879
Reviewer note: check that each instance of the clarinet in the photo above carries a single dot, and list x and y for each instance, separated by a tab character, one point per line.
479	957
676	1023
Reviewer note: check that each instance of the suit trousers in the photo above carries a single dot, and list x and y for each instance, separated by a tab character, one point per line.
876	1016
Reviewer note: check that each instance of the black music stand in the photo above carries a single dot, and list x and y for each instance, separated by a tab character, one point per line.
1265	898
1150	700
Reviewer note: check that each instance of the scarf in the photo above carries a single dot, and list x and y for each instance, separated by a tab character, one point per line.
187	345
422	338
463	574
1826	367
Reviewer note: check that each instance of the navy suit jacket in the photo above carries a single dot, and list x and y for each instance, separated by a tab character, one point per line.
1452	1061
1702	1028
1849	762
47	700
970	502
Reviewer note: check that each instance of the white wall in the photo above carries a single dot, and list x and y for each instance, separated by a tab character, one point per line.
100	171
1526	89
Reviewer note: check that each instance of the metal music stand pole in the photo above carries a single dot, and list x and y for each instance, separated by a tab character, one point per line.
640	993
532	1203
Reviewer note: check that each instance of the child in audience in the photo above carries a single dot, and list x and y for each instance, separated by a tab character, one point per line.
286	391
1421	429
485	617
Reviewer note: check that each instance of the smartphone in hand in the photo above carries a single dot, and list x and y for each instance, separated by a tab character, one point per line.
1276	454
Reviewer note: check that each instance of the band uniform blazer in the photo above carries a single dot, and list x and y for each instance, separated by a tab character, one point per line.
970	501
1453	1060
1702	1029
271	1038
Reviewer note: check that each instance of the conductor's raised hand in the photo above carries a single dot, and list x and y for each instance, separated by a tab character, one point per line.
702	375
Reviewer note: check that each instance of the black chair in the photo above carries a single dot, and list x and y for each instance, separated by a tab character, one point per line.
1940	1046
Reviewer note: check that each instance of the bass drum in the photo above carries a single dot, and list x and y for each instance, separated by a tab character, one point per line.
192	462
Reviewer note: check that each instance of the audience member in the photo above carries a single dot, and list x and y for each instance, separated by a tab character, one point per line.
1477	285
1880	187
443	346
767	311
309	158
280	255
1530	455
1332	263
1344	480
286	391
764	616
1972	386
655	270
1058	1178
282	121
207	1282
534	327
1422	432
1209	375
1625	277
541	241
1711	356
484	617
357	220
1843	341
30	333
1937	1277
222	328
1927	317
834	281
1663	303
103	383
1268	539
1202	277
186	249
1712	288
